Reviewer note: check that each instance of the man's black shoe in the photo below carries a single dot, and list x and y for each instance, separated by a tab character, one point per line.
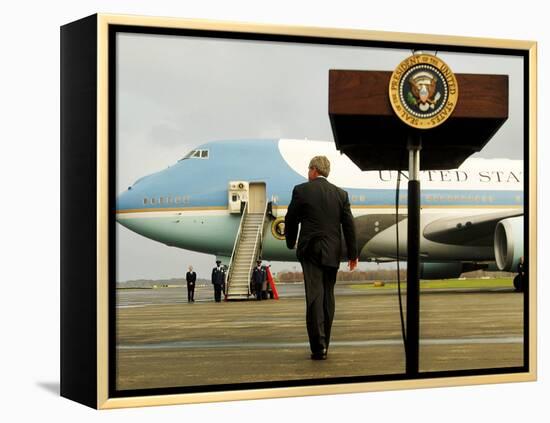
321	355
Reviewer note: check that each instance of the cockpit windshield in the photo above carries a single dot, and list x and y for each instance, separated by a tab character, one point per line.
196	154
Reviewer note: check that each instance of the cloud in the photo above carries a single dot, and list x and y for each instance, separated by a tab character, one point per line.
165	135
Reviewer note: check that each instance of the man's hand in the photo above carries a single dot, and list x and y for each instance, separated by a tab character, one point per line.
353	264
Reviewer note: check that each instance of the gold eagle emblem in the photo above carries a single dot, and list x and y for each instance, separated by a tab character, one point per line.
423	91
278	228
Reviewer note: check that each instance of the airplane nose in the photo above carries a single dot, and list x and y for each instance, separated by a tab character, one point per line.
136	196
129	201
129	204
132	212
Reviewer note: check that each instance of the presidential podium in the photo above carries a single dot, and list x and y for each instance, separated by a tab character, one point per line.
420	117
367	130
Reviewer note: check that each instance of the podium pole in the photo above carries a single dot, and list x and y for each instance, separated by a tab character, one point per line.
413	258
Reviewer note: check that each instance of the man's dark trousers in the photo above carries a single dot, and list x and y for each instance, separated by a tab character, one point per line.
258	290
319	286
217	292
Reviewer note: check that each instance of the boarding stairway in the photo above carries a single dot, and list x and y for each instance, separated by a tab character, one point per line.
247	249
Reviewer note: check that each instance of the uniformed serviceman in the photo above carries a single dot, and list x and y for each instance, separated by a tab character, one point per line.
259	276
521	279
191	278
218	280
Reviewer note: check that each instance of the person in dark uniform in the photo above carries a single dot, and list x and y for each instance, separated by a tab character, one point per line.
521	279
259	275
191	278
218	280
323	211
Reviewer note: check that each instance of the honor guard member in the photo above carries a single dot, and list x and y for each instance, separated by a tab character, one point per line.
218	280
323	211
259	275
521	278
191	278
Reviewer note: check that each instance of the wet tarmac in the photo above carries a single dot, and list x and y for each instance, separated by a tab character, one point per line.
164	341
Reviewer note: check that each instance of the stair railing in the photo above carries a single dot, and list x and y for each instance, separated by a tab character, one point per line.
235	248
258	241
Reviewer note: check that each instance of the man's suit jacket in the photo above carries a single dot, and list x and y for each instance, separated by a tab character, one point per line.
218	276
258	275
324	212
191	278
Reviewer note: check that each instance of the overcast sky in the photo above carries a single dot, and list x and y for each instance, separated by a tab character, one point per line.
175	93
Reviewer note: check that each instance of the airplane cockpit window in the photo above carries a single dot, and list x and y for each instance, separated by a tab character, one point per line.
196	154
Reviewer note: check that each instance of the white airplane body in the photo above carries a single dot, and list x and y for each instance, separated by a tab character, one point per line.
470	216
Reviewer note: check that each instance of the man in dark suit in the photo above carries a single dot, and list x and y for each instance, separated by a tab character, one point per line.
218	280
324	213
258	278
191	278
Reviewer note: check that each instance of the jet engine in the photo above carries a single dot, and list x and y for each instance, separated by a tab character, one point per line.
508	243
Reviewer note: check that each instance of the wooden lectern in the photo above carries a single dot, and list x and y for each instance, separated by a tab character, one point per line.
367	130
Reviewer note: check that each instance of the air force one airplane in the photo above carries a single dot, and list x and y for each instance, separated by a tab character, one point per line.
472	217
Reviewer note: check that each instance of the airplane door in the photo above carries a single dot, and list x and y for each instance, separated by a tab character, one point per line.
257	197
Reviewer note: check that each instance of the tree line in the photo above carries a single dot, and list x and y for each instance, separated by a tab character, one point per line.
381	275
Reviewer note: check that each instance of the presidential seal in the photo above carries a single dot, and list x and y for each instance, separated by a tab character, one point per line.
423	91
278	228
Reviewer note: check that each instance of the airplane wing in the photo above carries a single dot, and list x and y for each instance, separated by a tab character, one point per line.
467	230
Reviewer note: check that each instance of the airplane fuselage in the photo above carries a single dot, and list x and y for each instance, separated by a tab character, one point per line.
187	205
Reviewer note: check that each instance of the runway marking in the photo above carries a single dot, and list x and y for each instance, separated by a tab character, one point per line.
372	343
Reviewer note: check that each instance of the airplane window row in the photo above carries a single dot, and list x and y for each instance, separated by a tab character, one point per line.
449	198
178	199
463	198
196	154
